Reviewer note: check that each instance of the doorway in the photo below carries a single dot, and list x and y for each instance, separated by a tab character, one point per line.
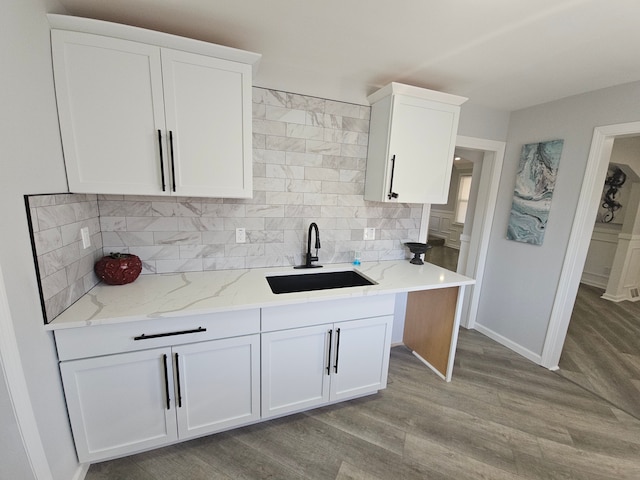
613	257
580	237
601	351
475	236
447	221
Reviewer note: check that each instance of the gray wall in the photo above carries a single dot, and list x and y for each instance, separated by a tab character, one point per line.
483	122
31	162
521	280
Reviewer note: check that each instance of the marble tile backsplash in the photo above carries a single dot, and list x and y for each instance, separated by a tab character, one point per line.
309	161
309	166
65	268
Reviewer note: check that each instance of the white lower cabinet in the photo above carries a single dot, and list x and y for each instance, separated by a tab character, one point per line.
307	367
218	385
134	386
295	373
361	357
120	404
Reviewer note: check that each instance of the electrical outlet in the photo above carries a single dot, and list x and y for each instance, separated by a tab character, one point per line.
369	234
241	235
86	238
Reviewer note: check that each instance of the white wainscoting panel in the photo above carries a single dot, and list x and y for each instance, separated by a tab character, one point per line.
602	251
441	225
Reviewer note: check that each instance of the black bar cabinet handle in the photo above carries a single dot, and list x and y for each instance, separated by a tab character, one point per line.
164	186
329	357
166	381
173	170
392	194
337	349
170	334
178	380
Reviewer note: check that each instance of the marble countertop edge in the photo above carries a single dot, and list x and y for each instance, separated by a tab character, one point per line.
200	293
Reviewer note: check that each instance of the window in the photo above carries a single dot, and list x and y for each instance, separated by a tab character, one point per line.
464	187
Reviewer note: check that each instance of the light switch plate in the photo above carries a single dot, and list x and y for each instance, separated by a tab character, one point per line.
86	238
241	235
369	234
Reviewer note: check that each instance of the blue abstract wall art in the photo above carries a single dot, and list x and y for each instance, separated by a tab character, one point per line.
535	181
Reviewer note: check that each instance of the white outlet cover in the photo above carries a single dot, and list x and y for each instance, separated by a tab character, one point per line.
241	235
86	238
369	234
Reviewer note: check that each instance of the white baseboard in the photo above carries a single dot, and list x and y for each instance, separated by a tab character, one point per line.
618	299
595	280
614	298
437	236
449	244
519	349
447	241
81	472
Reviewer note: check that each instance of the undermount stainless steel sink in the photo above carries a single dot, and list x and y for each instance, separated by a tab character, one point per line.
306	282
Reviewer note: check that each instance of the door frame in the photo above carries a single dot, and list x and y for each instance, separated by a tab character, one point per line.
13	373
580	237
482	220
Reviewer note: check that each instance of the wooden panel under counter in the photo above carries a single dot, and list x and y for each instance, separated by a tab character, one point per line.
431	327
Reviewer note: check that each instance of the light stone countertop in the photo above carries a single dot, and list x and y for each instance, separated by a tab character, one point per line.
193	293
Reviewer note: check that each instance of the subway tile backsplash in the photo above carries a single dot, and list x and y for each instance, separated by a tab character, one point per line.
309	161
65	268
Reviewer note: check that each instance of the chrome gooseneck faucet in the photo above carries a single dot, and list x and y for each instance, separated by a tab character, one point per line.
311	258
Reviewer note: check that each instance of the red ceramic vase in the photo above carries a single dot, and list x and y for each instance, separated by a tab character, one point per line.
118	268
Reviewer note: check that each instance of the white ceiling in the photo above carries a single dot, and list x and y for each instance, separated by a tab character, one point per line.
505	54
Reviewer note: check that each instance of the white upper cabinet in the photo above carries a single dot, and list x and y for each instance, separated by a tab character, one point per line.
208	114
411	144
111	108
142	118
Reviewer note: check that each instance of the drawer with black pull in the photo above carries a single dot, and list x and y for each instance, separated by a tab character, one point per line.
92	341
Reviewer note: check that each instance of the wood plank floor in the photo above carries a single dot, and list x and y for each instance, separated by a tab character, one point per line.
445	257
602	349
502	417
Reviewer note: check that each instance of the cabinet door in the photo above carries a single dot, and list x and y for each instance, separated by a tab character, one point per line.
208	115
217	384
423	136
361	359
295	374
120	404
110	106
